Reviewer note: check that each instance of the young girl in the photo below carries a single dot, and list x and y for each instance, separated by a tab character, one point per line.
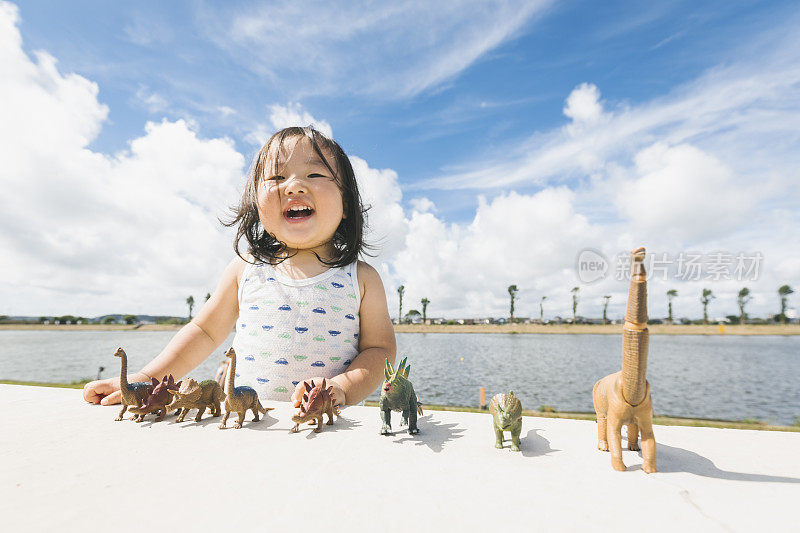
303	305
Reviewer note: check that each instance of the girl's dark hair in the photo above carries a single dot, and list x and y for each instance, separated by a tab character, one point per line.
348	240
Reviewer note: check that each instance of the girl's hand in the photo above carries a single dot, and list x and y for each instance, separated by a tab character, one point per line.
300	389
106	391
102	391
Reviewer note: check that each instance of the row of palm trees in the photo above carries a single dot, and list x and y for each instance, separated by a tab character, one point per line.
742	299
705	298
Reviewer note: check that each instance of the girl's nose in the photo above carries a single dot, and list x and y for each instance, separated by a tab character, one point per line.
294	185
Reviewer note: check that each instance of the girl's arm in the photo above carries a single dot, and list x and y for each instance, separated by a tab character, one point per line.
376	342
190	346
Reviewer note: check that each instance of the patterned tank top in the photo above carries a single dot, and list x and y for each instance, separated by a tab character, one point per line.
292	329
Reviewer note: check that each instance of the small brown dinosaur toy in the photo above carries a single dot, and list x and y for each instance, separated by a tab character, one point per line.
623	398
158	399
239	399
132	393
201	396
317	401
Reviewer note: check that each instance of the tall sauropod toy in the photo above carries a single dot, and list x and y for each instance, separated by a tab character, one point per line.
239	400
134	393
623	398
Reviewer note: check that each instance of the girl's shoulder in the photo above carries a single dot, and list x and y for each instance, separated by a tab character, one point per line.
238	266
368	278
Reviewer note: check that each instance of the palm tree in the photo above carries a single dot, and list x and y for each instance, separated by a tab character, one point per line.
705	299
742	299
575	299
607	297
512	291
672	293
425	303
400	290
190	303
784	292
541	309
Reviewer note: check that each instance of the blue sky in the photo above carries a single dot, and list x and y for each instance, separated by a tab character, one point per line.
462	105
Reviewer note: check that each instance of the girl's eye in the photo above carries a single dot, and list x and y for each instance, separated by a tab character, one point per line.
275	178
315	175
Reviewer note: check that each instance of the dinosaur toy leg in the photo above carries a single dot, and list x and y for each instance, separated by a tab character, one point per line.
614	436
200	411
648	443
121	413
386	418
516	429
238	424
330	415
412	418
319	424
224	419
633	437
498	436
602	433
255	412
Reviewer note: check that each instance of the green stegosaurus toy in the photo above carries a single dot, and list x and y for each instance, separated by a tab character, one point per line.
397	394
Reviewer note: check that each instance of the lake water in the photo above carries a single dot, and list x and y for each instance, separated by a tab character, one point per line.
726	377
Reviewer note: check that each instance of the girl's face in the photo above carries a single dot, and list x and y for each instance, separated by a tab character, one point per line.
301	204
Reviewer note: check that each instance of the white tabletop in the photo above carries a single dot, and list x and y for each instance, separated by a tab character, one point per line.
66	465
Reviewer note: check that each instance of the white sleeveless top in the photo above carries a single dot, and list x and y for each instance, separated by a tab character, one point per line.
293	329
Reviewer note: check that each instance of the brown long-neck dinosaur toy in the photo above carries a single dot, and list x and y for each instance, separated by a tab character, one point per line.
623	398
239	399
132	393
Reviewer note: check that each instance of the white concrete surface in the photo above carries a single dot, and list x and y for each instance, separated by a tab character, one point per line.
68	466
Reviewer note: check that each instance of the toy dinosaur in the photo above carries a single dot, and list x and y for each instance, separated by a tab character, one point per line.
397	394
239	399
506	412
132	393
623	398
317	401
201	396
158	399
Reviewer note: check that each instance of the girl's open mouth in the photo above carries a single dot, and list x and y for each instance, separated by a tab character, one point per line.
298	213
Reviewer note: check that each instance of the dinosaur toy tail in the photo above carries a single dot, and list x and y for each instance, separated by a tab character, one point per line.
261	409
635	335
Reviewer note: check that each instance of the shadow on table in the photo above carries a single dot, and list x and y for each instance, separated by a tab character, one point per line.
432	433
533	444
265	421
673	459
340	424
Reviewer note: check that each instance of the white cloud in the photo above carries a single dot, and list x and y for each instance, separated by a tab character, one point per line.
583	104
422	205
86	233
393	50
152	101
685	193
744	114
292	114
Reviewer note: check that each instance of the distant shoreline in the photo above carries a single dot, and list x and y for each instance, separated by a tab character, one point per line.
559	329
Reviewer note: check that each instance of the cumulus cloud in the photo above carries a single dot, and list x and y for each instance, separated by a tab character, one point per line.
88	233
583	104
684	192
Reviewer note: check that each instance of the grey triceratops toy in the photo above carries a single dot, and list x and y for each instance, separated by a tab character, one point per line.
397	394
506	412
